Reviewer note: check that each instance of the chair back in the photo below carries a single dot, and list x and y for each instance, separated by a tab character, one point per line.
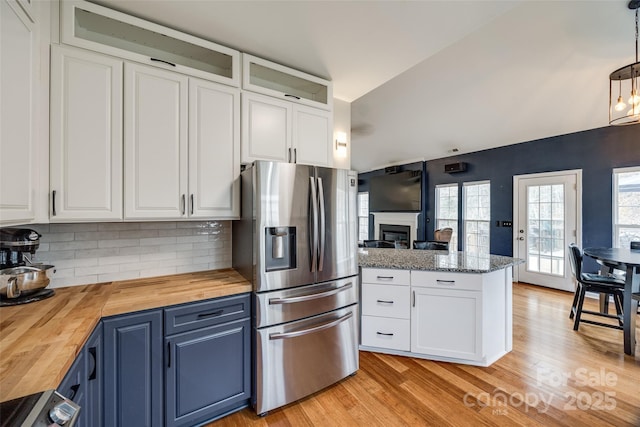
378	244
443	235
430	245
635	246
575	256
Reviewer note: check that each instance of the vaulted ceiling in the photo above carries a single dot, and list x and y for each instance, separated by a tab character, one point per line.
428	77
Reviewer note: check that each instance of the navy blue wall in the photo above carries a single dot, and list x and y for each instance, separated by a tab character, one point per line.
596	152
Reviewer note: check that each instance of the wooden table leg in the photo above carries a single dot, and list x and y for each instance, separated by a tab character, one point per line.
629	310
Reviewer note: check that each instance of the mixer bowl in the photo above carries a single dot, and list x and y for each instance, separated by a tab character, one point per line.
17	281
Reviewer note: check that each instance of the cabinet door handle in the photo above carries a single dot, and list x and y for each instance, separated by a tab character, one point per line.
183	204
291	96
385	277
446	282
381	301
386	334
212	314
289	160
163	61
74	391
295	155
169	354
191	213
94	372
53	203
413	298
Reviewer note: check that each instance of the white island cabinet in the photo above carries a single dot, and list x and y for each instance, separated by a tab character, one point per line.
447	307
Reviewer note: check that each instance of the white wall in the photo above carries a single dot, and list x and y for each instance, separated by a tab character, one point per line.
102	252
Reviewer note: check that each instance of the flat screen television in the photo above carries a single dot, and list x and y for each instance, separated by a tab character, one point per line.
398	192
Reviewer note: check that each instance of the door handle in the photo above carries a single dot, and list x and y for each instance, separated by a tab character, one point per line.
314	224
183	204
520	238
322	223
301	332
53	203
191	213
94	372
310	297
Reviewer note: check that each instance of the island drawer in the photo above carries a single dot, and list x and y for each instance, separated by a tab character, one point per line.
386	276
447	280
386	300
197	315
388	333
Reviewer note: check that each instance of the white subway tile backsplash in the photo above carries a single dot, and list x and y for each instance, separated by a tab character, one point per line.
89	253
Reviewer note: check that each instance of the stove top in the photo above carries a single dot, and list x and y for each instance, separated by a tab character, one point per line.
37	296
38	410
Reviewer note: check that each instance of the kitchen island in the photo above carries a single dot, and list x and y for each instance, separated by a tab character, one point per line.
439	305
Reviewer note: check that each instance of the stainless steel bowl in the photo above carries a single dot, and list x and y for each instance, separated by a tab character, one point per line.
17	281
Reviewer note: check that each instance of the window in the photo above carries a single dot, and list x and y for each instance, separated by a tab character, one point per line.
476	216
626	206
447	211
363	217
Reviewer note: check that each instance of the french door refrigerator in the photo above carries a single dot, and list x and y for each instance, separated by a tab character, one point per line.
296	242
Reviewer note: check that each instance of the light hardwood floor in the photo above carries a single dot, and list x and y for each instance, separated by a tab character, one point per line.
553	377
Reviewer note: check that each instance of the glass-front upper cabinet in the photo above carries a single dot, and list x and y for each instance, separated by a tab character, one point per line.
269	78
105	30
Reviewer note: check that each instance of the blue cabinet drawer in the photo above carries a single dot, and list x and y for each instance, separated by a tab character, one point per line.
192	316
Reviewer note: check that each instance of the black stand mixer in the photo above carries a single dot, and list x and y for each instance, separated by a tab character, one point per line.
22	281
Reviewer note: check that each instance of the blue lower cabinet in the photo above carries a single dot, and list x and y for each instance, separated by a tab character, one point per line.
74	387
207	373
133	371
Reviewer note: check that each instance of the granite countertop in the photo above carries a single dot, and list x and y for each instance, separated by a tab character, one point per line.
39	341
412	259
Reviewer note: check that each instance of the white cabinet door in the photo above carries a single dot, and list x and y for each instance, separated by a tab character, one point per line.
86	136
17	94
266	129
155	141
447	323
214	150
312	132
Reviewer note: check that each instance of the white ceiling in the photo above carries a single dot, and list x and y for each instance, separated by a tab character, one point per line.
425	77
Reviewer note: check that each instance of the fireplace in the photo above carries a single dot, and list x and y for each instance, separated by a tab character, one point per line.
394	233
405	223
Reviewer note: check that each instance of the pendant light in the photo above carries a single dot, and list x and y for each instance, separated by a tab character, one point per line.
627	77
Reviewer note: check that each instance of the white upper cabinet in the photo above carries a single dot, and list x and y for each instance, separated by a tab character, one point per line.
214	150
17	111
182	146
312	133
155	143
101	29
269	78
266	129
278	130
86	136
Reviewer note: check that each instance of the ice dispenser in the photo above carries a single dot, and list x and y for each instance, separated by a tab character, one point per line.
280	248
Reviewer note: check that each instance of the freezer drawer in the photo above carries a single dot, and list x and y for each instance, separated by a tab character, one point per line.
297	303
296	359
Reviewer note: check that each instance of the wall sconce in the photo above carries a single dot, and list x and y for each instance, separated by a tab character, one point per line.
341	144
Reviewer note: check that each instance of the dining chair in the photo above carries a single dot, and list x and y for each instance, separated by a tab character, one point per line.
589	282
431	245
443	235
379	244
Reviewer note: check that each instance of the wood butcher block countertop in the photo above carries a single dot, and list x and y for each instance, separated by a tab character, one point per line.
39	341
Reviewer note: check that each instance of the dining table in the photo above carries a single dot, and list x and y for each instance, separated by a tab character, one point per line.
627	260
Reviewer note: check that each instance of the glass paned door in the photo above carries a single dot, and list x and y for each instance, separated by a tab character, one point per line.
546	224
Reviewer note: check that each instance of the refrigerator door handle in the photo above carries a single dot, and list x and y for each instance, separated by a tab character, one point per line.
301	332
322	223
313	231
303	298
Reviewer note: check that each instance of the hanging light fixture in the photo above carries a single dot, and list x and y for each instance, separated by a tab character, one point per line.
621	112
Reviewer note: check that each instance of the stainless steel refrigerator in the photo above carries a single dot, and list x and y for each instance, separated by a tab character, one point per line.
296	242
